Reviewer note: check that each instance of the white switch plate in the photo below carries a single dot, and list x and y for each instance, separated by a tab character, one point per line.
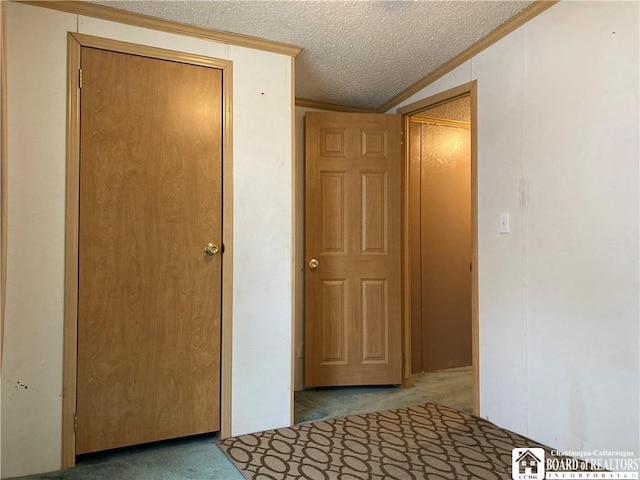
504	223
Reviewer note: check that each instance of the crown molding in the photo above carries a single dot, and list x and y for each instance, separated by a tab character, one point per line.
332	107
502	31
145	21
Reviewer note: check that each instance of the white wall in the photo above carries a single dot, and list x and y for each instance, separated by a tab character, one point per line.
32	364
558	149
262	163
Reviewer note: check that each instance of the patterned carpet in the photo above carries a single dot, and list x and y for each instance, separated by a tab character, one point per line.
420	442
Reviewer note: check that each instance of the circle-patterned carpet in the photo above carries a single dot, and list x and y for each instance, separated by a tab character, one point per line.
420	442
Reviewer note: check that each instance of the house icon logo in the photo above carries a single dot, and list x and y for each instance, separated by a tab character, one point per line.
527	464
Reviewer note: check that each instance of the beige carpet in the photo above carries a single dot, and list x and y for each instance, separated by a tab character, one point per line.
419	442
452	387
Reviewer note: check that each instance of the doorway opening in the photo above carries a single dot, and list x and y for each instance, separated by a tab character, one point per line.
343	400
439	231
440	245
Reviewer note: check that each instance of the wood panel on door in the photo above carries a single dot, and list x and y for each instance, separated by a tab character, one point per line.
149	297
352	229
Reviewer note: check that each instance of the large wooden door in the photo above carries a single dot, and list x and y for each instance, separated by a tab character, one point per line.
149	296
353	297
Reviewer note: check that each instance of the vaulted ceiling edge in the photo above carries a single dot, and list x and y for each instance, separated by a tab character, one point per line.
502	31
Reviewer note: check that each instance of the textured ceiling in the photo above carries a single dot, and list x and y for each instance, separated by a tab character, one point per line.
458	110
357	53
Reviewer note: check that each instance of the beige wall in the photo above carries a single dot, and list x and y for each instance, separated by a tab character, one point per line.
558	149
32	365
262	185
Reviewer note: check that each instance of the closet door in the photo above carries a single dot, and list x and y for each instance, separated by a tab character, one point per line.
149	294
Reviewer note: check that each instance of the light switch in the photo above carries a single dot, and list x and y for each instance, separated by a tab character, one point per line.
504	223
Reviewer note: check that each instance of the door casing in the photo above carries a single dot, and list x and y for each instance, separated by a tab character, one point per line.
406	112
469	89
75	42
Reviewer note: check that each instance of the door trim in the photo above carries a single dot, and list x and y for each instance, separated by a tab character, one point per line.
75	42
406	112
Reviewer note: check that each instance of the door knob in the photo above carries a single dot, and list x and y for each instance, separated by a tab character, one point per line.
211	249
313	263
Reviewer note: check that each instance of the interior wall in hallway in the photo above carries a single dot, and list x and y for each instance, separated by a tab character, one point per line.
440	229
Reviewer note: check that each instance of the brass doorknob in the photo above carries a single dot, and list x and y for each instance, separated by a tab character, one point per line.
313	263
211	249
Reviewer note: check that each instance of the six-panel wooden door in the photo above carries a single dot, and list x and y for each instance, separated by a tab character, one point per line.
352	249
